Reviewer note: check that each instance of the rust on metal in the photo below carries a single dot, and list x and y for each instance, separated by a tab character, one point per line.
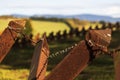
116	58
72	65
78	58
39	61
99	39
8	36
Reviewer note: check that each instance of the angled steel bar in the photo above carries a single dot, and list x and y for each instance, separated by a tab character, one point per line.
72	65
39	61
7	38
79	57
116	57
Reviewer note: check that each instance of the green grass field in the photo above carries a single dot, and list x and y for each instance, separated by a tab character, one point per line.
14	74
39	26
3	24
48	27
82	23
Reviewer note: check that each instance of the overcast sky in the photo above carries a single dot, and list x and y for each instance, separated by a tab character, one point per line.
62	7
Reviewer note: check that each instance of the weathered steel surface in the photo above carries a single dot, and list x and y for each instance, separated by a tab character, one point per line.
39	61
99	39
116	57
77	59
8	36
72	65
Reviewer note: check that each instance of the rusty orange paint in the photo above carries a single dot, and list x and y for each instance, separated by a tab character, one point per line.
8	36
39	61
78	58
116	58
73	64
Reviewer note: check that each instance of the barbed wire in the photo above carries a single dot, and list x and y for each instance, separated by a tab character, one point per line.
62	51
18	30
53	55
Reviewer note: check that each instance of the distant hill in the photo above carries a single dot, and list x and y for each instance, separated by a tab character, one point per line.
6	17
96	18
89	17
20	15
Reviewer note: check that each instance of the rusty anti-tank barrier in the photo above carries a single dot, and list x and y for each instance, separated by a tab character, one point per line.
79	57
39	60
116	58
7	38
72	65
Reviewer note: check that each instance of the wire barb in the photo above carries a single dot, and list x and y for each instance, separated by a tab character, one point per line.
18	30
63	51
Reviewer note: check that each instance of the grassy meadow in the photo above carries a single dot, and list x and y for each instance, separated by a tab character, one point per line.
75	23
39	26
16	64
47	26
3	24
51	26
13	74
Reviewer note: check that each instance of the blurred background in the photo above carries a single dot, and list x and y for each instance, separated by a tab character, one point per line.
65	23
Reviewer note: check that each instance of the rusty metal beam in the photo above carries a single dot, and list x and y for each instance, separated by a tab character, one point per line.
78	58
116	58
39	61
8	36
72	65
